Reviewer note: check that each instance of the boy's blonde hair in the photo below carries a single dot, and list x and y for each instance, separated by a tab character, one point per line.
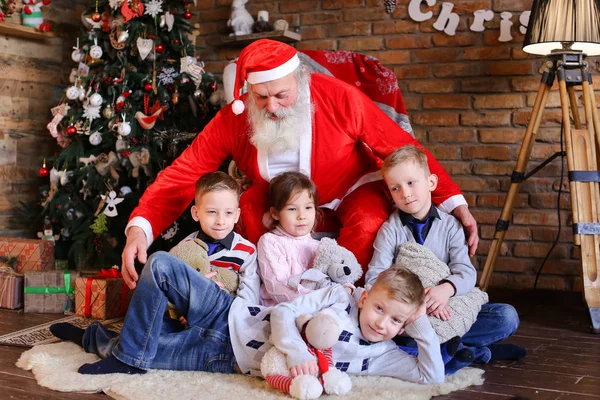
215	181
403	154
401	285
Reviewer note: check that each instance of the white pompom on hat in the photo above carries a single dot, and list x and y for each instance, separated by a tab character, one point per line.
262	61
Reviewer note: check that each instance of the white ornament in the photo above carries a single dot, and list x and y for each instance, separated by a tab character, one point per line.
81	94
171	231
96	99
144	47
123	36
72	92
96	51
91	112
111	203
77	55
167	19
65	177
153	8
120	145
125	190
96	138
167	76
120	99
124	127
240	21
114	4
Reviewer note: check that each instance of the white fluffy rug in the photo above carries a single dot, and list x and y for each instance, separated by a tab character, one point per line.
55	366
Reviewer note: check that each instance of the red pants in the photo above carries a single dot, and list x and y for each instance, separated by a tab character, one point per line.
357	218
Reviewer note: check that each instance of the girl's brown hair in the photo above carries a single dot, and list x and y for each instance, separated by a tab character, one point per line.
286	185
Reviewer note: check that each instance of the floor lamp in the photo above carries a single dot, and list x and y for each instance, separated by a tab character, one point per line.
565	32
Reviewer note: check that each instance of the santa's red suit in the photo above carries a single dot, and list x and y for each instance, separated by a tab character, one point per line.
350	136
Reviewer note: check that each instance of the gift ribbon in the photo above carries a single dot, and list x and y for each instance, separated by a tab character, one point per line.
111	273
6	269
67	288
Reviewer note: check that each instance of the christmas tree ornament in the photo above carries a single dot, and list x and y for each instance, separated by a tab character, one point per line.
71	130
96	51
65	177
175	97
111	204
159	48
108	112
82	93
390	5
148	87
214	99
106	164
187	14
167	76
87	161
72	92
43	171
124	127
96	138
132	9
167	19
96	17
153	8
59	113
96	99
144	47
147	121
77	55
123	36
140	159
124	191
91	112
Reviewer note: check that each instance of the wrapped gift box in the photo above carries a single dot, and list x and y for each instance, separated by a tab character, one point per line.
11	290
50	291
101	296
31	254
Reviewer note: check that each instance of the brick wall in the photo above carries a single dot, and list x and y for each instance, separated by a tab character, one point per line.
469	97
33	75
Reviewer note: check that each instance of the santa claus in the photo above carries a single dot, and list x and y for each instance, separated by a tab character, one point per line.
291	120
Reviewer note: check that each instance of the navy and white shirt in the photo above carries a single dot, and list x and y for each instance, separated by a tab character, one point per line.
255	329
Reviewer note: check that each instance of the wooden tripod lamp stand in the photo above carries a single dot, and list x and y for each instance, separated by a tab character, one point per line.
566	32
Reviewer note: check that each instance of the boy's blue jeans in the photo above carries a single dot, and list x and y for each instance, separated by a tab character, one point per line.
148	340
495	322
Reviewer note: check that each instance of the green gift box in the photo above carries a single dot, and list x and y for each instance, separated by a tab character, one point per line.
50	291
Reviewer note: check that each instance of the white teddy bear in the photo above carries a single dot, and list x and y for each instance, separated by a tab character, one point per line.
321	332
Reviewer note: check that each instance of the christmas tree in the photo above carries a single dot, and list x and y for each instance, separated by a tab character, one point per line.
137	99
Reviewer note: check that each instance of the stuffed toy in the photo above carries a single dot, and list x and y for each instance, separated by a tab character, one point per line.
430	270
333	264
240	21
32	15
194	253
320	332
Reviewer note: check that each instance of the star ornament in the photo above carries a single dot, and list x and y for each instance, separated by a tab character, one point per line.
153	8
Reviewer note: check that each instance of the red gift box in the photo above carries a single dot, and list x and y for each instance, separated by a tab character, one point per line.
30	254
102	296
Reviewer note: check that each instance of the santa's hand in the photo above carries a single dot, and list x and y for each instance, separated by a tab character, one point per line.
306	368
468	222
135	246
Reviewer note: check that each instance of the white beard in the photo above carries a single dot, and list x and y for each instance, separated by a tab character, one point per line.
284	134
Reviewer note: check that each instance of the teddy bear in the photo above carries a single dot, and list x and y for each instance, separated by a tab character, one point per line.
320	332
332	264
240	21
430	270
194	252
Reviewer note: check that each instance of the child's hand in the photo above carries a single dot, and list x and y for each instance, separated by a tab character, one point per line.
419	312
349	288
306	368
438	296
444	313
183	321
211	275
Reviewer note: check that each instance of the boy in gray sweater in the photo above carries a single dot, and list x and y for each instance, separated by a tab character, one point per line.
230	335
407	176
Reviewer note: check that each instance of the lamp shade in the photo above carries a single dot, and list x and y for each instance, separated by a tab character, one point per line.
563	24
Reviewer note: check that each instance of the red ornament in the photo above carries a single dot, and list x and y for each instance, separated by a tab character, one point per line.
44	172
126	153
96	17
159	48
126	93
71	130
176	41
187	15
148	87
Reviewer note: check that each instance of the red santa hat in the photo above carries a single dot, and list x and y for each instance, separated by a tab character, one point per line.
262	61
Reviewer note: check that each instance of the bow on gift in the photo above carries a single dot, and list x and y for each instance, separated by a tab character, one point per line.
140	159
106	163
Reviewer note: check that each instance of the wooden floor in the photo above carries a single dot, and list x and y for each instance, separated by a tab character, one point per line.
563	361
